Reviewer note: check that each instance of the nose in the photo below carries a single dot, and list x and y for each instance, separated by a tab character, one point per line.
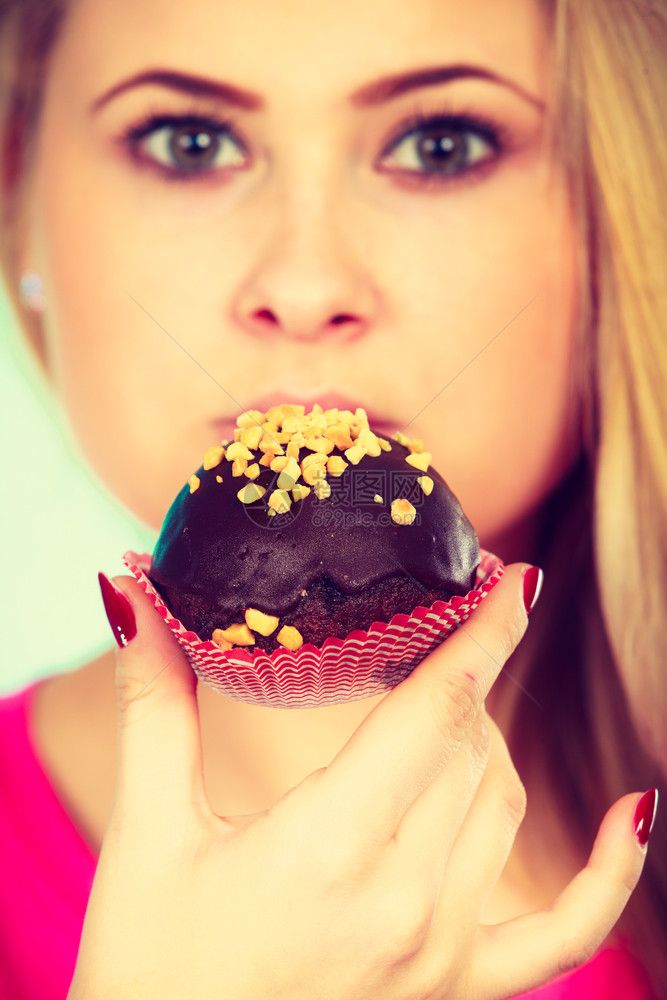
306	283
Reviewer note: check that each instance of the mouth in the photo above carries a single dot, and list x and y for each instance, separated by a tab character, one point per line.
327	399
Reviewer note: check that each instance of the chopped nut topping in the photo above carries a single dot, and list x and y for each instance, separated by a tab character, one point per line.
369	442
313	474
322	489
402	511
290	638
213	456
218	479
318	443
251	436
291	425
289	474
250	418
193	483
269	443
238	450
280	501
277	414
354	454
220	641
250	493
276	439
317	458
340	435
336	465
238	634
259	622
420	460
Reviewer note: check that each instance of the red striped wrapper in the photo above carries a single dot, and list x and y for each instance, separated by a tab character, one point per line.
341	670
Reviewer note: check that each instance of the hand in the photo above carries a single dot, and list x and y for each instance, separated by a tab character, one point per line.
366	882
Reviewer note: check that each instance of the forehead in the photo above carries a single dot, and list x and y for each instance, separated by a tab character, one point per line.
322	48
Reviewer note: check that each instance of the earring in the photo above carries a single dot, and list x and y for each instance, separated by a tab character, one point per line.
31	291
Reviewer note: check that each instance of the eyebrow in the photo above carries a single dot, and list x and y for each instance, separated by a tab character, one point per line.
370	95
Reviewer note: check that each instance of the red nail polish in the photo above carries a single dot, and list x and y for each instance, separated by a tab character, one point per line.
532	585
119	611
645	815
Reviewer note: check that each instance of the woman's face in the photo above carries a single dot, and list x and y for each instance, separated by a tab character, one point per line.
236	204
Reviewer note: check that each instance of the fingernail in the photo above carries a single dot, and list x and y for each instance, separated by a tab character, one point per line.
645	815
532	585
119	611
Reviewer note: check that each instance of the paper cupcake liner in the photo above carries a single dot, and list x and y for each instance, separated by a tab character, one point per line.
341	670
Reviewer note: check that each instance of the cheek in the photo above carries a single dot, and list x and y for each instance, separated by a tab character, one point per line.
504	409
134	398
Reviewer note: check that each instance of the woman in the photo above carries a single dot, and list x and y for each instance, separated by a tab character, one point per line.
230	205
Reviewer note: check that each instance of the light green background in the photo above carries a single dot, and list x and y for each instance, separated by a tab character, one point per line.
58	528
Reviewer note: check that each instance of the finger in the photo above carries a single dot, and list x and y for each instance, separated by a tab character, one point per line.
410	736
429	830
483	844
518	955
159	744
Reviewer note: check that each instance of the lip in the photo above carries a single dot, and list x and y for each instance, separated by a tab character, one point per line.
328	400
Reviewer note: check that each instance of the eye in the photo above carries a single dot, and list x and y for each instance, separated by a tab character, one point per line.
188	146
441	147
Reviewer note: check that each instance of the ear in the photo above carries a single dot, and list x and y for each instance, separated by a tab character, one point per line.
25	291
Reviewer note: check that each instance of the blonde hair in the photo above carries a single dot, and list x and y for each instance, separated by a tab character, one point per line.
601	678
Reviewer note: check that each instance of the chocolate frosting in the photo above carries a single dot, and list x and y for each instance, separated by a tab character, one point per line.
236	556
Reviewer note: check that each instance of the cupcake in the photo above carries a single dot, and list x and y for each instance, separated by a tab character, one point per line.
306	555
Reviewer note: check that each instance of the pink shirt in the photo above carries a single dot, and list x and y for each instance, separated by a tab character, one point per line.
46	871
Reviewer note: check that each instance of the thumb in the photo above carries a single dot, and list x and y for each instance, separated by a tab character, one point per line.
160	769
